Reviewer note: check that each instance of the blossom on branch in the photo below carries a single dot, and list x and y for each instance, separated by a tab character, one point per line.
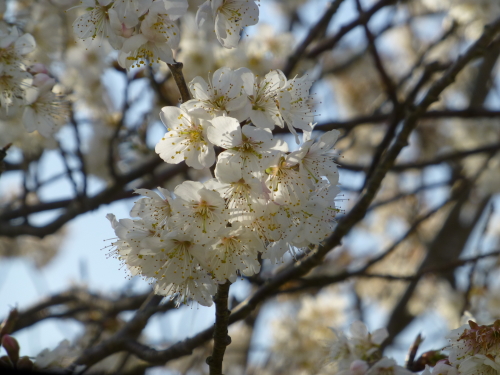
222	95
230	17
186	139
264	200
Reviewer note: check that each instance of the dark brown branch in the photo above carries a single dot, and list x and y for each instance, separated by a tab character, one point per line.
391	91
426	50
445	248
329	43
73	300
3	154
74	208
322	281
221	338
483	81
437	160
79	153
390	87
410	193
412	353
322	24
112	142
472	113
129	333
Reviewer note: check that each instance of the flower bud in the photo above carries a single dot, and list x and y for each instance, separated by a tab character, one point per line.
11	346
38	68
42	79
359	367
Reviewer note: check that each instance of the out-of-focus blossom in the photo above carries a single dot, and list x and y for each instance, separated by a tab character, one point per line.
230	17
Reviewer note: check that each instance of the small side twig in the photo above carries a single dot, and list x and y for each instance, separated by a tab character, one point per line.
221	338
412	353
3	154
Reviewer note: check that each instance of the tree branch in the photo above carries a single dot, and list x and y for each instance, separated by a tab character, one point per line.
221	338
322	24
332	41
357	213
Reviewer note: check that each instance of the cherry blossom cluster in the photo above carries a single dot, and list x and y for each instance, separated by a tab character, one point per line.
359	353
473	349
146	32
263	200
26	92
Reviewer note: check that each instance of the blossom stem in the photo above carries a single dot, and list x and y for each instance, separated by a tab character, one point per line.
221	338
176	70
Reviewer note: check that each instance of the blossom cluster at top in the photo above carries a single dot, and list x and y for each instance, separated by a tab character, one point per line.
263	200
26	92
145	31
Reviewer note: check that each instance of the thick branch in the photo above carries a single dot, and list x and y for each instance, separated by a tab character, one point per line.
76	300
221	338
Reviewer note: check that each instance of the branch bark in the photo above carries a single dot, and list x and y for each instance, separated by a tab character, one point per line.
221	338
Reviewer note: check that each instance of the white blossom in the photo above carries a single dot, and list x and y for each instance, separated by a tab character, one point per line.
243	195
262	94
318	215
249	148
224	94
263	201
154	207
295	105
480	364
14	79
317	158
387	366
440	369
288	185
235	249
159	36
230	17
173	260
198	287
44	110
186	139
57	359
360	345
129	11
99	22
198	211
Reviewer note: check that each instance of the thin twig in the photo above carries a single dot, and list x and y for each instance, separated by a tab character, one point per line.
322	24
422	164
412	353
331	42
